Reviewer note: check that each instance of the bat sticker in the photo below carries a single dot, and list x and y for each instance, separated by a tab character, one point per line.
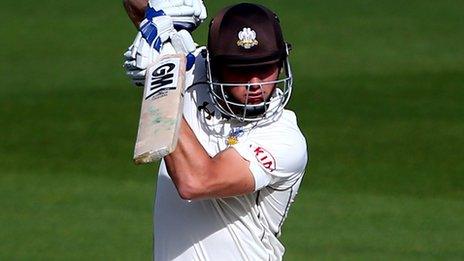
163	79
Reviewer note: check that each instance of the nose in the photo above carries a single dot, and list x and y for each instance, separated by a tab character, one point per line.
254	80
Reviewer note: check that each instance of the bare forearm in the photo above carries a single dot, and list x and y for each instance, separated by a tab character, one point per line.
135	10
197	175
188	163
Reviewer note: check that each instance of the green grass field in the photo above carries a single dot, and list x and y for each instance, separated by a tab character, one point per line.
379	94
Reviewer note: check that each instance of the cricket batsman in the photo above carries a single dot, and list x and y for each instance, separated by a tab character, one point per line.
226	189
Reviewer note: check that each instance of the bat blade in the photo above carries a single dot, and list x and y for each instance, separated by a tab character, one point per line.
161	109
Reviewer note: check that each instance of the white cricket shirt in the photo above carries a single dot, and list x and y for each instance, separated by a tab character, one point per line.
234	228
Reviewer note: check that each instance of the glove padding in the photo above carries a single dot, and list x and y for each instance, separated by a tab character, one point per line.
136	59
140	54
185	14
156	29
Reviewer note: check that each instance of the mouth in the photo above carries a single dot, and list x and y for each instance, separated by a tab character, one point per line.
255	98
255	95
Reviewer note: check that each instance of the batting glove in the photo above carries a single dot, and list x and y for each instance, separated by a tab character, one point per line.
182	42
185	14
154	30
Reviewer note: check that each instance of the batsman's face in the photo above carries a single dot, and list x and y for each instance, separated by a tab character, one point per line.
253	85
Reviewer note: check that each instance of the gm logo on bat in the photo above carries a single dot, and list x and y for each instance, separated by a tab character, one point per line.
162	79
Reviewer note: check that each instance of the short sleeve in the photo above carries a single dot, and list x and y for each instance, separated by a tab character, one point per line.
277	155
262	179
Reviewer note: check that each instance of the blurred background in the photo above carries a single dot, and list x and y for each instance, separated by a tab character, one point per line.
379	96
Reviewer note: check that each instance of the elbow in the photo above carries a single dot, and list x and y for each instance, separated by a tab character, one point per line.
133	4
192	183
126	4
189	191
135	9
190	187
186	193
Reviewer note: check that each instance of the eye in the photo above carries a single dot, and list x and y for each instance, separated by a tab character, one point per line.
266	70
244	74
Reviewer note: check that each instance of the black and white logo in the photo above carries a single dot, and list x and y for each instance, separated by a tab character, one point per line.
163	78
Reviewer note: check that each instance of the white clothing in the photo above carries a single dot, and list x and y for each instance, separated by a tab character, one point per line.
235	228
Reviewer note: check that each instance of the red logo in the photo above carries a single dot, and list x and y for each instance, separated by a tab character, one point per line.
265	158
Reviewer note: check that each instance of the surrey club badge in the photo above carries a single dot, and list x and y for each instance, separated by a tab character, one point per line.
247	38
234	134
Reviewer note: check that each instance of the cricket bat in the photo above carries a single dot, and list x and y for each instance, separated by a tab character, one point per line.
161	110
